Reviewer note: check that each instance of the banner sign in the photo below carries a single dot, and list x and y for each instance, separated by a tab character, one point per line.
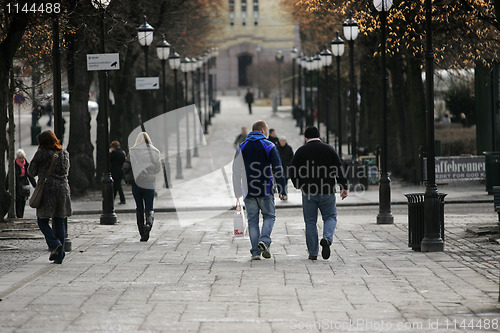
458	168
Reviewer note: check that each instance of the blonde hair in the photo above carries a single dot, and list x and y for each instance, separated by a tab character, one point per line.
141	138
21	152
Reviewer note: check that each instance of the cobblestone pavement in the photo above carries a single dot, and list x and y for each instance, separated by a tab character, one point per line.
200	279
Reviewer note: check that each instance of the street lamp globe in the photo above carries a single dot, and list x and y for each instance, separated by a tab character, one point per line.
145	33
293	53
326	57
186	65
338	46
382	5
317	62
174	60
163	49
350	29
100	3
310	64
279	56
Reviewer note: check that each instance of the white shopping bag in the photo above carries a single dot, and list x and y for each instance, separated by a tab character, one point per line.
240	221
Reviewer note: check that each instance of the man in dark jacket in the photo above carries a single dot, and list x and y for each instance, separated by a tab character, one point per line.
313	170
116	159
249	100
286	155
255	163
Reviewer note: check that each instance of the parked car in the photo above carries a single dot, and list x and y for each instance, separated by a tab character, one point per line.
92	106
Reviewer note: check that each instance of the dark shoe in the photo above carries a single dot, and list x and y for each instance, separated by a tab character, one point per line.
313	257
55	253
145	234
265	250
150	219
121	203
325	252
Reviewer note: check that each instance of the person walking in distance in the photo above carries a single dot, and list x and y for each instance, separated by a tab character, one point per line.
313	170
255	163
249	100
241	137
116	160
22	181
286	155
56	200
273	137
140	169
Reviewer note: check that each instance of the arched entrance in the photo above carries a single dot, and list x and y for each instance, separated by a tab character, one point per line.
244	62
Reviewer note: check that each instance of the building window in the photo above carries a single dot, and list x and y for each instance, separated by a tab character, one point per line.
243	9
256	9
231	10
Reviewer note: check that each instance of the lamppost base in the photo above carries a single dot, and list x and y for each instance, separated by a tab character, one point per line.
108	216
188	160
432	245
108	219
385	218
195	152
179	167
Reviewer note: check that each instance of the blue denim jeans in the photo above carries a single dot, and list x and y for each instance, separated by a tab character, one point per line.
53	237
326	203
253	207
143	198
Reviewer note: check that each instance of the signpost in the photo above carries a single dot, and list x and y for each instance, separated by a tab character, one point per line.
19	100
103	62
147	83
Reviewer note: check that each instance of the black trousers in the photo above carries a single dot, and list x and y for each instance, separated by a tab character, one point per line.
117	187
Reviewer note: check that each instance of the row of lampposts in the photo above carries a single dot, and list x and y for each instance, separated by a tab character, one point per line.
350	29
145	37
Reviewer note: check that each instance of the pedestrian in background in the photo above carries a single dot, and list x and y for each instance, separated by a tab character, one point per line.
56	200
286	156
140	169
255	163
273	137
313	170
249	100
241	137
116	160
23	181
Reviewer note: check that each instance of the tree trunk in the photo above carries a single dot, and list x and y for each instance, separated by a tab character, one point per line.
81	175
14	34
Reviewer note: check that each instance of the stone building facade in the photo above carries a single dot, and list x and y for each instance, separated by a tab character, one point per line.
250	32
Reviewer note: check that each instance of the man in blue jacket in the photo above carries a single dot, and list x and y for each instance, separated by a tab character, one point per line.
255	163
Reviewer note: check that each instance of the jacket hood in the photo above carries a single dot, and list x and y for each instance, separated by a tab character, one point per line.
255	135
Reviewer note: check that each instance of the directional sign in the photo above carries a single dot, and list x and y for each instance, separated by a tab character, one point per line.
147	83
103	62
19	98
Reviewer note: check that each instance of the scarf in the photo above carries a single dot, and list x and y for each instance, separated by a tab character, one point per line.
21	165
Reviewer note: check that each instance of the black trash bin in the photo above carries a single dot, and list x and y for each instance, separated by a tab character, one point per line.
416	218
492	164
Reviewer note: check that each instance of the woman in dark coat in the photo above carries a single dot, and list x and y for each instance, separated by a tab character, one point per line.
23	180
56	201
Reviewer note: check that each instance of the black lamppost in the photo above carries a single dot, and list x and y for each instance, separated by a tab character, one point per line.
199	65
293	55
279	60
175	62
338	48
145	34
309	104
108	211
350	33
300	117
192	69
326	61
163	51
384	193
317	68
258	50
432	241
204	59
185	68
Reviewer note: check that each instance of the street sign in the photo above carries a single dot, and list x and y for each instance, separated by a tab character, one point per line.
19	98
147	83
103	62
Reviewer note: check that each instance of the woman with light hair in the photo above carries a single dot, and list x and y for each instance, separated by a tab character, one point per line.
140	169
23	180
